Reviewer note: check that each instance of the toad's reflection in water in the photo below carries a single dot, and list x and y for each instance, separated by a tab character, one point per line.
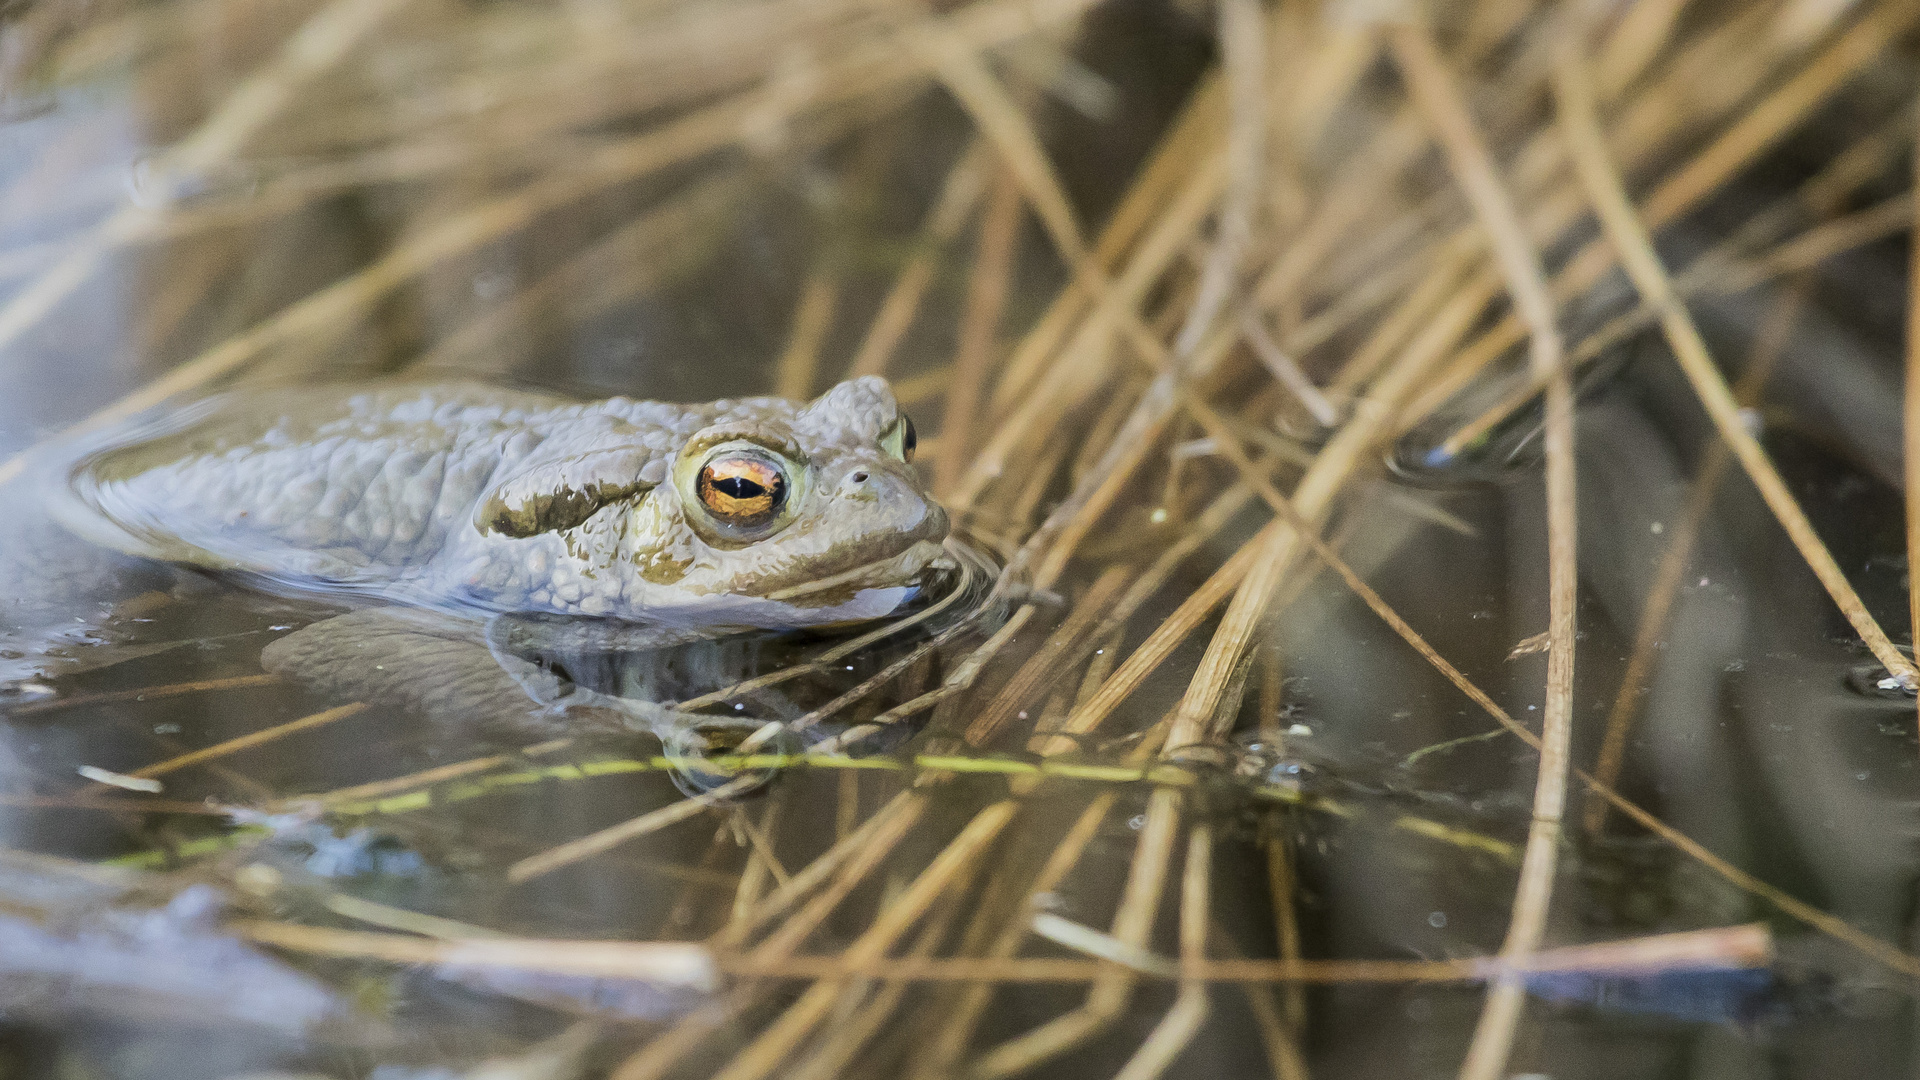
522	548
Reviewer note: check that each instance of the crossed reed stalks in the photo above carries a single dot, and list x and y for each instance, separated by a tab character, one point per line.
1337	241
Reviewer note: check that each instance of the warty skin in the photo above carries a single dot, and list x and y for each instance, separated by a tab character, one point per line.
465	497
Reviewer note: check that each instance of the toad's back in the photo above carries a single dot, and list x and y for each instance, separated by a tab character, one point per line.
752	511
346	485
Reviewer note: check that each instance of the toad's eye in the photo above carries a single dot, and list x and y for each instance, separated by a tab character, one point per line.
899	439
742	490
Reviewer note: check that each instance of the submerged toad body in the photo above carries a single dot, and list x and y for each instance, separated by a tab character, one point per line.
680	521
759	512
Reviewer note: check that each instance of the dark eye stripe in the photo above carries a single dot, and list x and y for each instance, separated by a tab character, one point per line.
743	492
739	487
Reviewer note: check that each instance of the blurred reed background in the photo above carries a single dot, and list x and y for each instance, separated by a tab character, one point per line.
1447	462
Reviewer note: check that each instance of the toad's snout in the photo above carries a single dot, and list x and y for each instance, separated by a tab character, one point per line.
894	495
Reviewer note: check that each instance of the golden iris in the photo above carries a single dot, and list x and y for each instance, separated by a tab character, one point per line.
742	491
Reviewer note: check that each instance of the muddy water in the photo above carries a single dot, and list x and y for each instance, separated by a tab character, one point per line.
1761	732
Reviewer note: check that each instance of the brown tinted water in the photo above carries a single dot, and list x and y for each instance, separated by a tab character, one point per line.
690	201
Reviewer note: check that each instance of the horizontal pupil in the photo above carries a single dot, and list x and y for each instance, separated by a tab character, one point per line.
738	487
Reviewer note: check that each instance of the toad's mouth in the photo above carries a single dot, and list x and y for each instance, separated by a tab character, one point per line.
880	573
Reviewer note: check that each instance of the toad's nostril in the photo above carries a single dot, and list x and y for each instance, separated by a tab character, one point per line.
859	478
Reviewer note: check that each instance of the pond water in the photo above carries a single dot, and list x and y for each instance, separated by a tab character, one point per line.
1124	734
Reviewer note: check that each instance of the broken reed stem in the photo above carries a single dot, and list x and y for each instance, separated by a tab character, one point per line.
979	327
1433	91
1580	123
1665	589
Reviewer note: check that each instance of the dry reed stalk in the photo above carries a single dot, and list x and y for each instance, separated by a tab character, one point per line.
1828	924
1115	307
1770	343
1020	513
1718	272
1649	276
979	327
1082	361
1910	417
751	884
1190	1007
586	847
1364	182
859	1021
700	54
634	259
1834	927
1047	663
1282	887
1705	172
112	805
321	42
1146	203
879	833
962	1019
758	837
846	809
848	863
1146	657
146	693
958	197
782	1036
1242	34
1636	40
1433	91
797	368
1277	1036
392	918
1442	280
424	778
247	742
1110	992
1287	373
1247	973
867	72
1267	562
1005	125
669	963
